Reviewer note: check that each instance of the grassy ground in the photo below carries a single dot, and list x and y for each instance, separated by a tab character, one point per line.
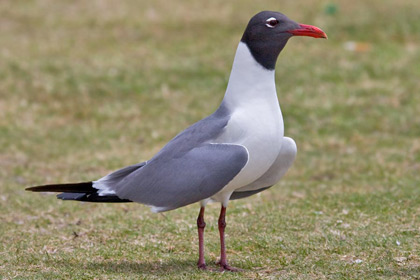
90	86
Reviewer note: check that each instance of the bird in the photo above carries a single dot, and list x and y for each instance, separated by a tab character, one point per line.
237	151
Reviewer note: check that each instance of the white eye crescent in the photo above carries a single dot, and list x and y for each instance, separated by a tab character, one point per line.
271	22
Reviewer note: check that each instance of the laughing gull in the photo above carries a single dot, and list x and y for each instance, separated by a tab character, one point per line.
238	151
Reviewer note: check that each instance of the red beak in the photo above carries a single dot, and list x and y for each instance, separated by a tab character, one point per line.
308	30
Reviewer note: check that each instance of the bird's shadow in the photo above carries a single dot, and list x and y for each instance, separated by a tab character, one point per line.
130	267
136	268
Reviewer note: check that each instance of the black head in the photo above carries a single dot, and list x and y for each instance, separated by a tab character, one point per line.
268	32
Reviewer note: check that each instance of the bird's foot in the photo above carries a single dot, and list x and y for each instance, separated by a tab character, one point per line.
229	268
202	266
226	267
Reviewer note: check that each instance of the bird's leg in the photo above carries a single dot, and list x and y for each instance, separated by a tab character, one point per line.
222	225
201	225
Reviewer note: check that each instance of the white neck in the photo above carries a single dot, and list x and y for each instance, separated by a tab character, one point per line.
249	81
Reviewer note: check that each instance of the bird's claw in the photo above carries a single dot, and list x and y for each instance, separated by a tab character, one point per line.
229	268
226	267
202	266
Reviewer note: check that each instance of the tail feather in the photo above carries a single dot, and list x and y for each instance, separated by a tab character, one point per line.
77	191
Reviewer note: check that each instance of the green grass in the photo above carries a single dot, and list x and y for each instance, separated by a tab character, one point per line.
87	87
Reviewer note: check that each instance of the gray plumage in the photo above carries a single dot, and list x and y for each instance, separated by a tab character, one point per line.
188	169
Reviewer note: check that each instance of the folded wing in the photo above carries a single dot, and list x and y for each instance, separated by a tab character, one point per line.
170	181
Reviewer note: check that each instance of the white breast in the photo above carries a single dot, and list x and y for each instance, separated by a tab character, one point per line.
256	120
260	130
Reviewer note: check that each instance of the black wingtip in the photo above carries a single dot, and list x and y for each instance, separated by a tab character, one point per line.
77	191
92	197
84	187
71	196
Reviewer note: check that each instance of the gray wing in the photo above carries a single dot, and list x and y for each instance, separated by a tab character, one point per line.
280	166
242	194
116	176
171	180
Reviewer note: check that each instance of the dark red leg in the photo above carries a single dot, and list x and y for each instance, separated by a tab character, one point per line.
222	225
201	225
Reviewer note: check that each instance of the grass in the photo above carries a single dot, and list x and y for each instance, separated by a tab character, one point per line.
87	87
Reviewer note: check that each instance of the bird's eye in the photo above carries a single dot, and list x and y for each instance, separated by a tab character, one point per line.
271	22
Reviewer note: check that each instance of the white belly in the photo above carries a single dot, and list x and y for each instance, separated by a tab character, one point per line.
259	128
